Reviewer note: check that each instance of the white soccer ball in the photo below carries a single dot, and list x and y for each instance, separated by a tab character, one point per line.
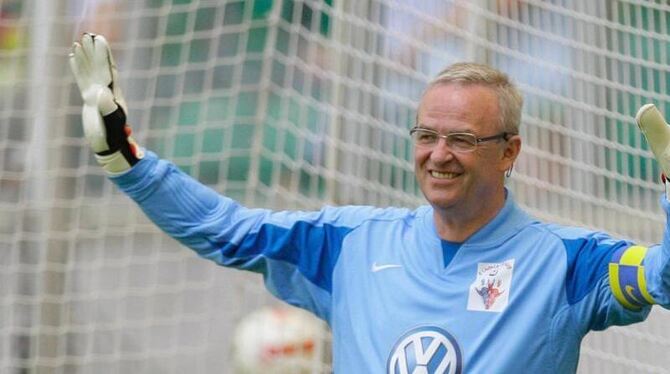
278	339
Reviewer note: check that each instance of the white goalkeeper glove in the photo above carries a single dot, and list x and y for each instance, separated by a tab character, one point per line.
657	132
104	112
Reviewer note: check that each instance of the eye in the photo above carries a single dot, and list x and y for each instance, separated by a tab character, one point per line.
464	141
425	137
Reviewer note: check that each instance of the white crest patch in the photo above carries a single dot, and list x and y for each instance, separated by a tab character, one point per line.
490	290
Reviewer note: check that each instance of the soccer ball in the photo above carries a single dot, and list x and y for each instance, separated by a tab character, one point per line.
278	339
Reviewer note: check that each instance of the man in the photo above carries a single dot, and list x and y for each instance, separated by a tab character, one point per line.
469	283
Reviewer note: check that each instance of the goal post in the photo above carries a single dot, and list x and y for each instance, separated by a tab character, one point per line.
292	104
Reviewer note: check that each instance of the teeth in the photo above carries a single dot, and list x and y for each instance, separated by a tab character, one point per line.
437	174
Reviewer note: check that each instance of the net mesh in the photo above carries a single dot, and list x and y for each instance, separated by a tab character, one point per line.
293	104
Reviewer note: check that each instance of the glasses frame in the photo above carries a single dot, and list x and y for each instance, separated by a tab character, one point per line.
503	135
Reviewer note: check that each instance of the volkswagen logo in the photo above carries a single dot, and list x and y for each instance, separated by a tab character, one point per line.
425	350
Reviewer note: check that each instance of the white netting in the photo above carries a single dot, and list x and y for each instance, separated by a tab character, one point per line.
293	104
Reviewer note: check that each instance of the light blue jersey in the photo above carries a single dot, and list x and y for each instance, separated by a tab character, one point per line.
518	296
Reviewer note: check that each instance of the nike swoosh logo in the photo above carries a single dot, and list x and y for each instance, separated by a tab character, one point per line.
376	267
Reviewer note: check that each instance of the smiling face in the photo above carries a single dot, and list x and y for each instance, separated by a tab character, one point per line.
464	182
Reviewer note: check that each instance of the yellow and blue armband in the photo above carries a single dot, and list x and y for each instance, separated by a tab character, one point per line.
627	279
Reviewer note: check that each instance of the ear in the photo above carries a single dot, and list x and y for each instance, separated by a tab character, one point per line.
510	152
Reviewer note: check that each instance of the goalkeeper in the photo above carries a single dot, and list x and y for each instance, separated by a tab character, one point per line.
468	283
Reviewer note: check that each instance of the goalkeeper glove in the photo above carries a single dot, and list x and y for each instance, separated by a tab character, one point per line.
657	132
104	111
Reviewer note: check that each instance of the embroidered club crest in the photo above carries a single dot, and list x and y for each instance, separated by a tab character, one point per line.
490	290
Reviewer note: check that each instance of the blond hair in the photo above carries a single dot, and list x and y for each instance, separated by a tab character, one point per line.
510	100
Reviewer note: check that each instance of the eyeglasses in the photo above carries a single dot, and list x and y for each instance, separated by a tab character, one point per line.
457	141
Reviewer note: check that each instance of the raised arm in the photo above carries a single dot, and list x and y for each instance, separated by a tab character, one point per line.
640	276
295	251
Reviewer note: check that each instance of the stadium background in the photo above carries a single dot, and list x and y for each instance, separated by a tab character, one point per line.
293	104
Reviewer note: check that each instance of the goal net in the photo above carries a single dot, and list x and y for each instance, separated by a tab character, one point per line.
292	104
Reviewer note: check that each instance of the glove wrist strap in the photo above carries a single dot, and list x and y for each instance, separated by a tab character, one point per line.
116	163
123	152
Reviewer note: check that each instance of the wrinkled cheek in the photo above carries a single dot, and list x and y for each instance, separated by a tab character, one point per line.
419	168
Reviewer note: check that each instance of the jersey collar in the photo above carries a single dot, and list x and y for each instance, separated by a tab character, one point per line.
509	220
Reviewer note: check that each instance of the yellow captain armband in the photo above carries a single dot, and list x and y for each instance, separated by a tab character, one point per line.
627	279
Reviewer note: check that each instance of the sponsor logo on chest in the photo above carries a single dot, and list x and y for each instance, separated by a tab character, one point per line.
425	350
491	289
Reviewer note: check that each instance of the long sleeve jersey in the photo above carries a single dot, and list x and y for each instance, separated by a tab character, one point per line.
518	296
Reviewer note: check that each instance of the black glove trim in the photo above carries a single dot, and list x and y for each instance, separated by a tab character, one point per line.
117	139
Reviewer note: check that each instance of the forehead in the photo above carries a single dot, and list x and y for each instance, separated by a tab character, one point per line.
458	107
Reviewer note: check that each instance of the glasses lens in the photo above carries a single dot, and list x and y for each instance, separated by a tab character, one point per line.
462	141
424	137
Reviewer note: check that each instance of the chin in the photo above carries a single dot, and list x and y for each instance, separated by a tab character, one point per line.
440	205
442	202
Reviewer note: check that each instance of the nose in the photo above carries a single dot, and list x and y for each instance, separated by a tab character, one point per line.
441	152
